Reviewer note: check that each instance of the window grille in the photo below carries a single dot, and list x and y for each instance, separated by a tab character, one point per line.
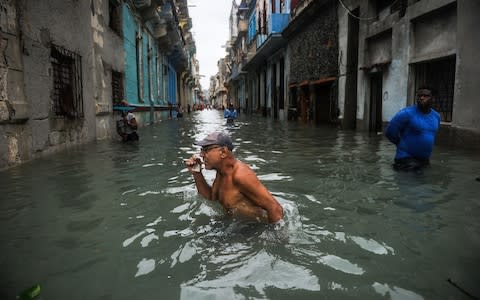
67	98
117	86
440	76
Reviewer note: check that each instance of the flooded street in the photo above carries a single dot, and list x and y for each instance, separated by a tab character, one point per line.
117	221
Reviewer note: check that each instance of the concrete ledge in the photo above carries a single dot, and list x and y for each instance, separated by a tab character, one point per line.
464	138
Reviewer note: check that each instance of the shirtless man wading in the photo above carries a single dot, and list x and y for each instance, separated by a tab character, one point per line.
236	186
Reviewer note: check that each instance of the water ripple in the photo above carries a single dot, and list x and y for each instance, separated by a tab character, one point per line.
262	271
341	264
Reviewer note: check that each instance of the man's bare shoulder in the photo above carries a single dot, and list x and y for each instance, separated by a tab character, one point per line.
243	173
242	168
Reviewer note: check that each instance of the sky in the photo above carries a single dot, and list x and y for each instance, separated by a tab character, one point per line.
210	31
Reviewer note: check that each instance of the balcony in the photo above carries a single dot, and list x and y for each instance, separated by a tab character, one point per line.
277	22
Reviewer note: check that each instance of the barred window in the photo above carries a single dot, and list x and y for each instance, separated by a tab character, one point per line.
117	86
440	76
67	98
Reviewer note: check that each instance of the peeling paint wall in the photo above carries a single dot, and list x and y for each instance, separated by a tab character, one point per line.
66	24
29	127
35	36
14	110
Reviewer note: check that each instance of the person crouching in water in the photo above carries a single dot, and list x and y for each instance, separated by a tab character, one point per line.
127	127
230	113
236	187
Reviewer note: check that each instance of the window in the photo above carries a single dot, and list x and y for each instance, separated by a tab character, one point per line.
252	30
117	86
280	9
140	75
440	76
263	19
67	98
115	14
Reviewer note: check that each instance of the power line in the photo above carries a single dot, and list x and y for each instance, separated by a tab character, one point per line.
357	17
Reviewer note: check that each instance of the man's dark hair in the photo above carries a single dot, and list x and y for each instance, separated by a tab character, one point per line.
426	87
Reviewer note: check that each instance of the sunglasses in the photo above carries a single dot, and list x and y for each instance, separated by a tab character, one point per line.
208	148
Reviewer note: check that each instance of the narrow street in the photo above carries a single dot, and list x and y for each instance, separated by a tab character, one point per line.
118	221
360	117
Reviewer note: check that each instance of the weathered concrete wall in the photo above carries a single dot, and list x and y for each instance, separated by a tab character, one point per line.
390	44
429	30
108	55
434	35
14	110
384	47
66	24
342	54
28	128
467	88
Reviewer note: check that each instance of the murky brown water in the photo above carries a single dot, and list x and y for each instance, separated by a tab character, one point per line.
115	221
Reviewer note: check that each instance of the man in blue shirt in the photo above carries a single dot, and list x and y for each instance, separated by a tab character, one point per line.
230	113
413	130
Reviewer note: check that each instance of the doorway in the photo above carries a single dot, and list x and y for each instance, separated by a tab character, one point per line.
376	102
274	91
350	115
322	103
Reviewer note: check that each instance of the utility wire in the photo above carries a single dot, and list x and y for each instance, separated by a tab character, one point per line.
357	17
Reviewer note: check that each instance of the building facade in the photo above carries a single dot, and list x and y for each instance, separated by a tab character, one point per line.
264	63
399	47
356	63
66	65
312	49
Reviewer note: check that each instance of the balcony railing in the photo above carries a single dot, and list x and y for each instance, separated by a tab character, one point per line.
277	22
260	39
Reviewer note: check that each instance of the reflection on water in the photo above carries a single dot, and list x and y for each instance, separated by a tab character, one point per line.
115	221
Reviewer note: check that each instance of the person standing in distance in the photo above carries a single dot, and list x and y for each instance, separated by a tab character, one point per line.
127	128
236	187
230	113
413	130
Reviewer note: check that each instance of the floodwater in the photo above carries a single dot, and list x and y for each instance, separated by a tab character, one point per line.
116	221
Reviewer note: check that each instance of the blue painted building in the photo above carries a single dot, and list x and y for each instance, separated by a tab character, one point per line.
258	77
157	68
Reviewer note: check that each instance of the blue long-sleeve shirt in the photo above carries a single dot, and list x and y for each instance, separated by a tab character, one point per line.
413	132
230	114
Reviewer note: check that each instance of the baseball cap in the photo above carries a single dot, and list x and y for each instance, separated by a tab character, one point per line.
216	138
